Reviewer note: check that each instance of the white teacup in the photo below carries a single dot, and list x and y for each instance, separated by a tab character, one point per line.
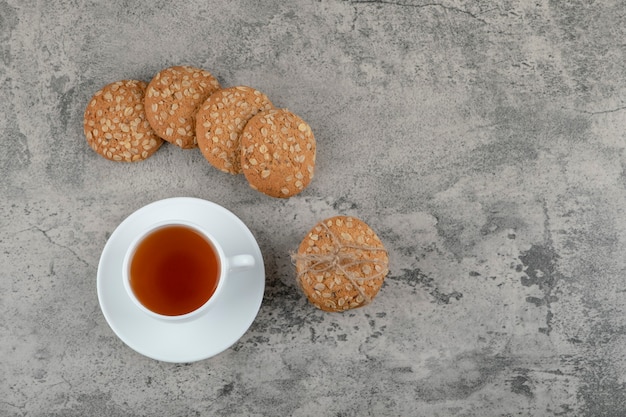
175	270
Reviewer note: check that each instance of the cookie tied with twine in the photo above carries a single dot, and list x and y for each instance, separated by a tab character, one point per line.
341	264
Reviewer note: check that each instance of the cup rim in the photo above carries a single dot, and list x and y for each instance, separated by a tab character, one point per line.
130	251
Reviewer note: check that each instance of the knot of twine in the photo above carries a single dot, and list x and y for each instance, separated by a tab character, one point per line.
341	260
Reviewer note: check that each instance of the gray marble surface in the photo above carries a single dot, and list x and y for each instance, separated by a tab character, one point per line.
483	141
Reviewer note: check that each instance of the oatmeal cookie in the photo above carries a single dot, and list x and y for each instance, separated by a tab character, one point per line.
278	153
220	121
341	264
115	123
172	100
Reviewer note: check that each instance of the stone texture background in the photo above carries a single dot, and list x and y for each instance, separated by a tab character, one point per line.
483	141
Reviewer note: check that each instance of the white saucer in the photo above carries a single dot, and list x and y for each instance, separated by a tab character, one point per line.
207	335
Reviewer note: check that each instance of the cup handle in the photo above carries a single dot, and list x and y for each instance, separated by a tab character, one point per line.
240	262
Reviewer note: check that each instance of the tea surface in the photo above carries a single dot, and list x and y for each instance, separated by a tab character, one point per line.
174	270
